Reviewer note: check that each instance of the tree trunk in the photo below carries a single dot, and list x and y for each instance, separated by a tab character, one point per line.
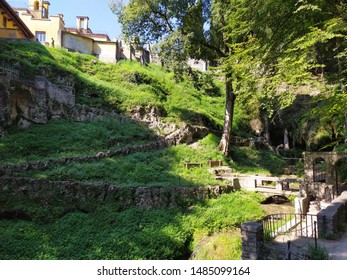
346	127
228	117
267	135
286	140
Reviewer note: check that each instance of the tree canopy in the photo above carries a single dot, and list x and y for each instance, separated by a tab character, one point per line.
271	51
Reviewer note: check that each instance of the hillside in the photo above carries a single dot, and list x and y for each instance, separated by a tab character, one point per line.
145	93
124	149
125	87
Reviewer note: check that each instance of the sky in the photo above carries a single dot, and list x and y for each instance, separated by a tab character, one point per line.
101	19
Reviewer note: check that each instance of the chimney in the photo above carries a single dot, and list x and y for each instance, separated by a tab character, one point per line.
82	22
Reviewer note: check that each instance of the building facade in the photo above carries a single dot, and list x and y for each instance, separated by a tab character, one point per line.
46	28
50	30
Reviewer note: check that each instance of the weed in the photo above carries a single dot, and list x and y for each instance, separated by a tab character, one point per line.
317	252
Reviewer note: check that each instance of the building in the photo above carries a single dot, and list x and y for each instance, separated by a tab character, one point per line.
45	27
198	64
50	30
82	39
11	25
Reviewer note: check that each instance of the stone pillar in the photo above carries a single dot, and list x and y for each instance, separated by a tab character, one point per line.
252	240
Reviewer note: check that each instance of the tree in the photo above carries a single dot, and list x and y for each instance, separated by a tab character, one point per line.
200	24
288	45
268	49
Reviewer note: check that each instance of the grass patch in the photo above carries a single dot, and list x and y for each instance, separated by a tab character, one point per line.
157	168
248	160
67	138
131	234
123	86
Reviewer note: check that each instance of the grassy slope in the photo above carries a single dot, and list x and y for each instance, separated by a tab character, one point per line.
133	233
120	87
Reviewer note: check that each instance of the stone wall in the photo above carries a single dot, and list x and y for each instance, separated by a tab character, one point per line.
44	192
333	216
26	102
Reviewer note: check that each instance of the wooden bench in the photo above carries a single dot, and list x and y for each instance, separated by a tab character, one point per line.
189	165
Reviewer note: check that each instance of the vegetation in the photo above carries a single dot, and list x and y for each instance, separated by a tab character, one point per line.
62	229
60	139
268	64
123	87
130	234
288	74
317	252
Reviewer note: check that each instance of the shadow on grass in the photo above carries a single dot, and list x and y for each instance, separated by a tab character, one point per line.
248	160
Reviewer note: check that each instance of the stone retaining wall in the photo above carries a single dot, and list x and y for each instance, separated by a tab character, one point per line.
44	192
331	218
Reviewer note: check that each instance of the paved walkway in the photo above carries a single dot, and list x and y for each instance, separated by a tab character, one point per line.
337	249
278	249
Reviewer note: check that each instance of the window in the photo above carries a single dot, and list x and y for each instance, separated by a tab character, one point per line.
41	36
36	5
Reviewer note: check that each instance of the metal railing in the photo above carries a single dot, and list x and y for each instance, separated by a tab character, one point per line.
302	225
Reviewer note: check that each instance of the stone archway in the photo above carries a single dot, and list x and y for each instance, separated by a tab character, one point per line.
341	174
321	172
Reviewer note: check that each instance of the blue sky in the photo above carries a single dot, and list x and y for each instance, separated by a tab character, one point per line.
101	19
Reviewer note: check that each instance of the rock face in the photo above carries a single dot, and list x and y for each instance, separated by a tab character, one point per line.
26	102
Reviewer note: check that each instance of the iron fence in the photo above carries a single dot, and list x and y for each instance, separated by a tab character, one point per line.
302	225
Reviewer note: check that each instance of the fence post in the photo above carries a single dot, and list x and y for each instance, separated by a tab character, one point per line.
252	240
315	235
289	243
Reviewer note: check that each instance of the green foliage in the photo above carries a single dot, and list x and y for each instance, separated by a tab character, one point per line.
341	148
228	211
122	86
158	168
317	253
249	160
131	234
224	245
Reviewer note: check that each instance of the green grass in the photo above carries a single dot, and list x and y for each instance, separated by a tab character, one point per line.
164	167
248	160
157	168
67	138
131	234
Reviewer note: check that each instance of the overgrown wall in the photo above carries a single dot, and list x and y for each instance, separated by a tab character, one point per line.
45	192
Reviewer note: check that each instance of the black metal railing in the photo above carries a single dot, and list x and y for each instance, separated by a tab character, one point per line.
302	225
